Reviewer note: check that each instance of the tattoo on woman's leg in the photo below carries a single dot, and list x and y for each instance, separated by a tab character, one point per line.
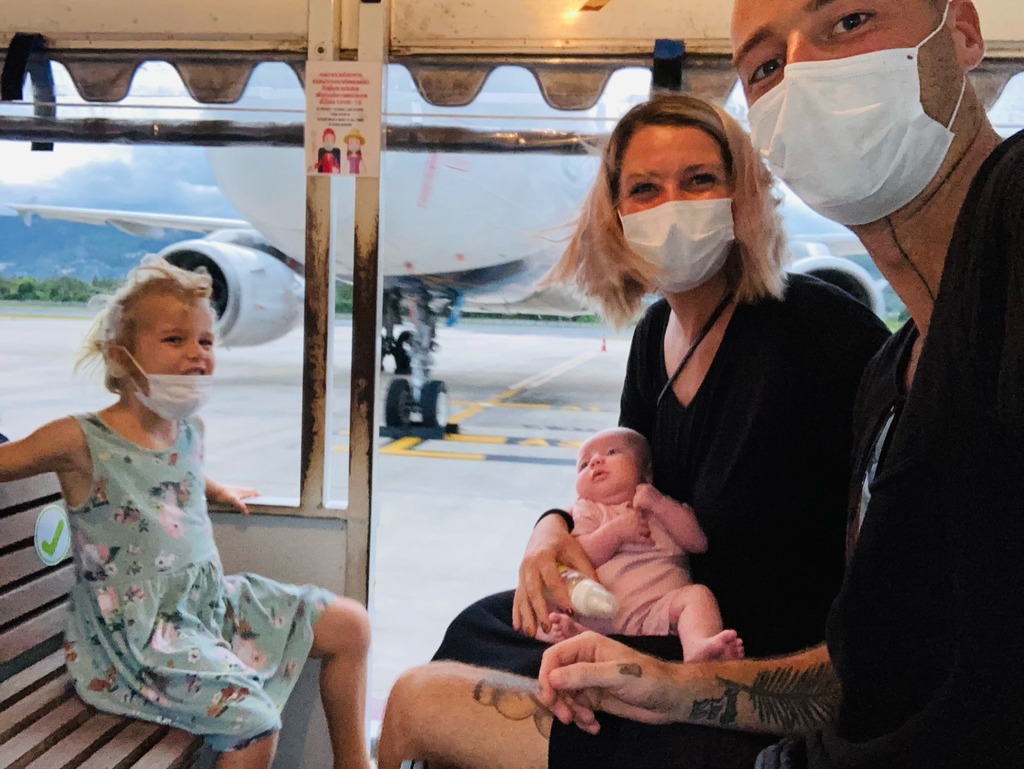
515	699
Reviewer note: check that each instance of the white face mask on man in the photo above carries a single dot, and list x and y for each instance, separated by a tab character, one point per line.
173	396
688	240
850	136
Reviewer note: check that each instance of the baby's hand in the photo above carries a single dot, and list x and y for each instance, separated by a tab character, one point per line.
635	528
647	499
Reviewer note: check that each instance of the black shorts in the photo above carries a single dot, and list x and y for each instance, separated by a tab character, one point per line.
483	635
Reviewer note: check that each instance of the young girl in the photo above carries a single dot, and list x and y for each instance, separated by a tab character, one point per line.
156	630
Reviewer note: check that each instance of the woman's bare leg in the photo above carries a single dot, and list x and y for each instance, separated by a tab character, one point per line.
450	714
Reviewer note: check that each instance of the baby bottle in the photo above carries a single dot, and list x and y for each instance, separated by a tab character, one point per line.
589	598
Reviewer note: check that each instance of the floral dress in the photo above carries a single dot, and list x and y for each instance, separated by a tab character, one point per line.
156	630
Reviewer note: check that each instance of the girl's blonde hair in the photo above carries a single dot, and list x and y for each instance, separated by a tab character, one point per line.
116	322
603	266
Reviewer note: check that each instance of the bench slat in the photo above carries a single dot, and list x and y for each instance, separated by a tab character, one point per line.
130	744
174	750
19	564
22	637
80	743
40	735
21	684
43	699
39	592
18	527
37	489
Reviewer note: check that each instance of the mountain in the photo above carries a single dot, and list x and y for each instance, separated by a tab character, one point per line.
50	248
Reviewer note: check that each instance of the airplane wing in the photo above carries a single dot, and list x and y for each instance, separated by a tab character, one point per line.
139	223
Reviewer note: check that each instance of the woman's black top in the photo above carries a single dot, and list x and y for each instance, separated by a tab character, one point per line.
762	454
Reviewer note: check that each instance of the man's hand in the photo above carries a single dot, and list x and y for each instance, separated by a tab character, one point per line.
549	545
591	672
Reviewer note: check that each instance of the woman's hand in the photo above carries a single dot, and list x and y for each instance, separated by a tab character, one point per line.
549	545
591	672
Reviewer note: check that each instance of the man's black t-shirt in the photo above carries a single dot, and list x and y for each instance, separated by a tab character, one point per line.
927	634
762	454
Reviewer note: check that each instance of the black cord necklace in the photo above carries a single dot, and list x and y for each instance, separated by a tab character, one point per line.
696	342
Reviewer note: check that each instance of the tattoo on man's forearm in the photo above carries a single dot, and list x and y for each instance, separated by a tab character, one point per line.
514	698
631	669
790	698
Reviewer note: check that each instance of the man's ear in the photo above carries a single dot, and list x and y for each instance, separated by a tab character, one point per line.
970	43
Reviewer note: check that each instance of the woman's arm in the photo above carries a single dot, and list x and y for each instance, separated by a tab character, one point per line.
781	695
550	544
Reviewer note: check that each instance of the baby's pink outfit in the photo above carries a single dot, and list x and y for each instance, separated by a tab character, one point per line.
642	577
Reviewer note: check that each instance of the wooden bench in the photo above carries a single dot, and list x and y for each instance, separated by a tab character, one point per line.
43	724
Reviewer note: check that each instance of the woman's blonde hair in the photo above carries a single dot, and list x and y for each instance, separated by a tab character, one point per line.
603	266
117	323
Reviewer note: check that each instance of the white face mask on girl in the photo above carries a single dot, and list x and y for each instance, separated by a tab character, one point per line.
173	396
850	136
688	240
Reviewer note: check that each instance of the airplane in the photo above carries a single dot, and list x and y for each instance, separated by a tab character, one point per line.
458	232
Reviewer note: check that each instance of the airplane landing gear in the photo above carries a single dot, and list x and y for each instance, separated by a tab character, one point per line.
402	409
419	401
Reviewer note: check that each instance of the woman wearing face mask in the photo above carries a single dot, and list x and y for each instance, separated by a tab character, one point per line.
742	380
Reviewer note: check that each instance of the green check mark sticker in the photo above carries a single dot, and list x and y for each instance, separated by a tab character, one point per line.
53	536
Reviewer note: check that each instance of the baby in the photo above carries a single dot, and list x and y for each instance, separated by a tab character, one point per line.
637	539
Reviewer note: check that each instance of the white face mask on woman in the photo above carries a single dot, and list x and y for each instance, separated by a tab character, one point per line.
173	396
688	240
850	136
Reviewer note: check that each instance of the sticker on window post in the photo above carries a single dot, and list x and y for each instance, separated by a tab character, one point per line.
53	534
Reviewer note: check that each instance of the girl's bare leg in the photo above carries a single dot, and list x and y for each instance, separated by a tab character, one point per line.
256	755
341	640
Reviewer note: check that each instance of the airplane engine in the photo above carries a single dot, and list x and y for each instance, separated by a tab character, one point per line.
844	274
257	297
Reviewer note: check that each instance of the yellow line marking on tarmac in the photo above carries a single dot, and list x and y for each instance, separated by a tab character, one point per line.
532	442
461	438
454	419
534	406
440	454
400	445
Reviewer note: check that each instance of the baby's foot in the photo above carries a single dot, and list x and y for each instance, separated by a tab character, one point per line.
562	626
726	645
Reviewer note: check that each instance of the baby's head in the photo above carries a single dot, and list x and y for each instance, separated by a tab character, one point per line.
611	464
154	293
